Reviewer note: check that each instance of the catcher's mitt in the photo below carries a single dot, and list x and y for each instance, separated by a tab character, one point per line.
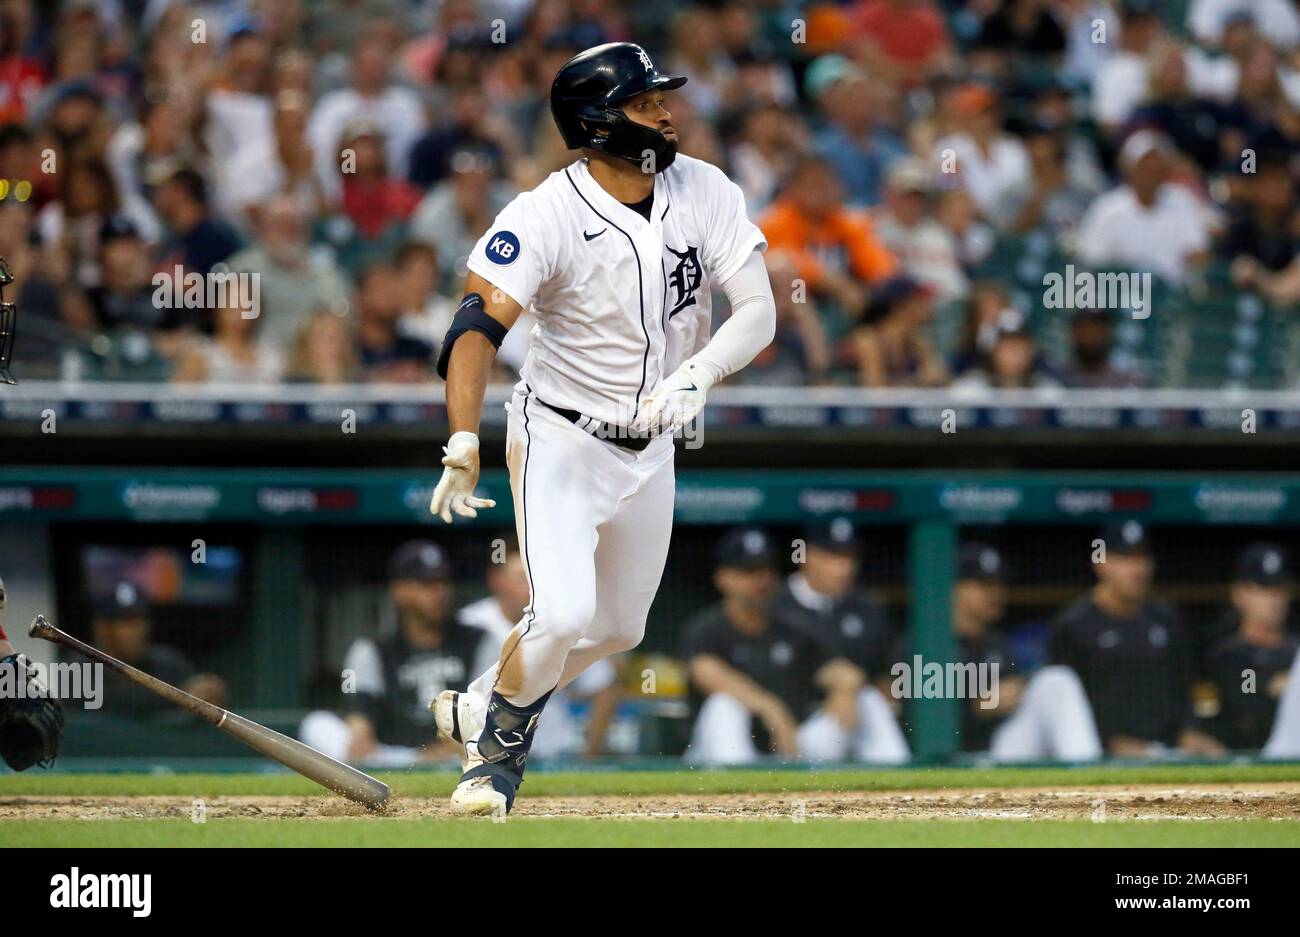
31	721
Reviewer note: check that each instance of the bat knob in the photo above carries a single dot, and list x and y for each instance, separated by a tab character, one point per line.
39	628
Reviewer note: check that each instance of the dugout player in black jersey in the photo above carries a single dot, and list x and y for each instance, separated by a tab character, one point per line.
1131	653
766	681
389	681
979	602
1250	667
822	591
122	626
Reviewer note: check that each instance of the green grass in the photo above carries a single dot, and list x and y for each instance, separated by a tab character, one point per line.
576	784
530	832
546	831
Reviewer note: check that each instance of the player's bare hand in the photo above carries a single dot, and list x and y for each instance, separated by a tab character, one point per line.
676	401
1193	742
782	728
455	491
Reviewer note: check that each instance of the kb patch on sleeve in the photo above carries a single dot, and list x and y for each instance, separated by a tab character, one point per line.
503	248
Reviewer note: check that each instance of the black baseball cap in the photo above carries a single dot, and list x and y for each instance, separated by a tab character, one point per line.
746	548
117	226
420	560
1127	538
1265	564
1130	8
124	601
979	561
836	535
898	288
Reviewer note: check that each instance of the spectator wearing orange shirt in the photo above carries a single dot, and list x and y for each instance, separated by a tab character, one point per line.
835	250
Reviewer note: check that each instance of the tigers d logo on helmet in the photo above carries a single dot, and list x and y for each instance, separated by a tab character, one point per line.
586	95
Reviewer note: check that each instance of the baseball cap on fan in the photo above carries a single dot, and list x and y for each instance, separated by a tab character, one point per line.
116	227
908	176
1265	564
746	548
419	560
826	71
241	25
1142	143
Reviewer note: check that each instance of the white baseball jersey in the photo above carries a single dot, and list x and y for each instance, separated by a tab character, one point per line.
620	302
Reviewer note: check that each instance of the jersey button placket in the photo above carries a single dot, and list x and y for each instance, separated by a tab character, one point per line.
654	240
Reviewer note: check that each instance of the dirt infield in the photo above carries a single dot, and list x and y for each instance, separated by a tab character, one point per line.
1264	801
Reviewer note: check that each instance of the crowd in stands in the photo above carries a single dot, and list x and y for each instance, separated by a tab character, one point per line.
898	155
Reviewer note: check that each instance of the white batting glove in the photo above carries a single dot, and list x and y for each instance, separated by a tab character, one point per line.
676	401
455	491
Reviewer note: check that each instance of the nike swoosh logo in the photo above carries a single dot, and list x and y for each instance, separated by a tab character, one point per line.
508	744
592	237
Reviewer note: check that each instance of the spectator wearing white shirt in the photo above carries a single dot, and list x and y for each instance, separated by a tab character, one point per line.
240	112
281	164
396	109
925	249
1147	222
992	165
1278	20
1120	83
1084	55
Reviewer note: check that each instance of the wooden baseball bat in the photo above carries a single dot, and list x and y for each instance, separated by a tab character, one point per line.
338	777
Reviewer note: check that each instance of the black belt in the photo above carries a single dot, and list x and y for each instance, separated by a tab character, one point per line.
620	436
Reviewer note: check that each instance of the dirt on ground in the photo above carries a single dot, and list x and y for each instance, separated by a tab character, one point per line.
1109	802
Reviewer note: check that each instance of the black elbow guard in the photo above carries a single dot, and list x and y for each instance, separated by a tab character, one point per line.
470	317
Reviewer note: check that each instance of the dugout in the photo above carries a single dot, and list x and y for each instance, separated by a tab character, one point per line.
296	559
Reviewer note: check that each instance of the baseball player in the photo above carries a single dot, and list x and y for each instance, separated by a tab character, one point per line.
1032	718
385	718
615	255
1260	647
560	735
31	721
1132	654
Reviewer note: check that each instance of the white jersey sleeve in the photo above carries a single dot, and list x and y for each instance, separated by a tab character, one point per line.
516	254
729	236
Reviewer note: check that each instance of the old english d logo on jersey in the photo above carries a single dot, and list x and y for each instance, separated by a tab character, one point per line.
684	279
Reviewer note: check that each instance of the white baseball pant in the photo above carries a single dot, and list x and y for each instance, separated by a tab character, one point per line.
1053	720
594	521
1284	740
723	734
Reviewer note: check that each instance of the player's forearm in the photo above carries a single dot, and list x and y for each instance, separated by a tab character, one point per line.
711	676
467	377
752	324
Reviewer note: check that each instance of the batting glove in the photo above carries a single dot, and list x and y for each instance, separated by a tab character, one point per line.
677	399
455	491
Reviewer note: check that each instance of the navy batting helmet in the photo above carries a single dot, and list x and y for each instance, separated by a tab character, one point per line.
585	98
